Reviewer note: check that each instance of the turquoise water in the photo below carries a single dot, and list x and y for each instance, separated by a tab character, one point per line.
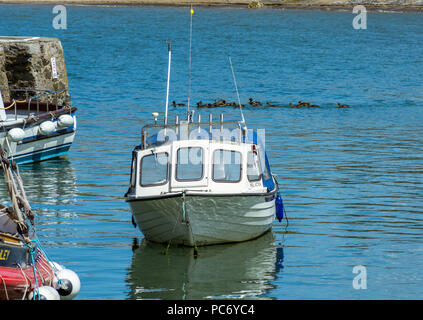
351	179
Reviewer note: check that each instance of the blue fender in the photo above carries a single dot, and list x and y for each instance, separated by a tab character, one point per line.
279	207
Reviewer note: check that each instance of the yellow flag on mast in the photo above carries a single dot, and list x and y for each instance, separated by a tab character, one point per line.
192	11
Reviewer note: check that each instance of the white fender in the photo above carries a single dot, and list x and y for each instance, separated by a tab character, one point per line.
69	284
64	121
46	127
16	134
45	293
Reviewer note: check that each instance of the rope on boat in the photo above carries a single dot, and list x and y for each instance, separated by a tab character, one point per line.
20	205
27	281
186	220
10	106
182	214
237	93
183	208
49	261
33	250
34	269
5	288
19	212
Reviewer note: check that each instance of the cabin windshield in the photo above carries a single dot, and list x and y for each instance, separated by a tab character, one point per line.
253	167
189	164
133	170
154	169
226	166
266	173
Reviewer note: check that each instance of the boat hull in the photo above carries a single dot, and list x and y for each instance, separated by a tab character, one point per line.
204	220
17	283
35	147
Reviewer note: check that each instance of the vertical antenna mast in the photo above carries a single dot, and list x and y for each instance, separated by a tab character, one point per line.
237	94
168	79
189	61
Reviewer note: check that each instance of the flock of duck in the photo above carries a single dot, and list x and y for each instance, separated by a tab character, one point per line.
253	103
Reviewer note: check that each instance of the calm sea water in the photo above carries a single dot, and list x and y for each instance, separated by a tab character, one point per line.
352	179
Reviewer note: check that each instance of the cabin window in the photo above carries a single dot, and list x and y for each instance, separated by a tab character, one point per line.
154	169
189	164
253	167
266	173
226	166
133	170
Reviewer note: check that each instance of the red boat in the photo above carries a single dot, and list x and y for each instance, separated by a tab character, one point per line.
25	272
23	269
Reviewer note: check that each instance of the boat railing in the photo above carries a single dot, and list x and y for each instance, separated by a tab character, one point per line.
33	100
185	128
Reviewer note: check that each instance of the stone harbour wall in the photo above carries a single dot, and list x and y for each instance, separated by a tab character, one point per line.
31	63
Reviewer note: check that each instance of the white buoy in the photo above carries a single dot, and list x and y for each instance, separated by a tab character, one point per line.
16	134
46	127
45	293
64	121
69	284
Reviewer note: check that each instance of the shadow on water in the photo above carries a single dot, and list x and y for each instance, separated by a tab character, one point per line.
230	271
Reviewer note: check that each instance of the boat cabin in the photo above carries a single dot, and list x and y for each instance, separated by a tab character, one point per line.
186	158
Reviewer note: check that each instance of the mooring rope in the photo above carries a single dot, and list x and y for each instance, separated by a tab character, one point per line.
47	258
21	210
183	208
15	195
10	106
5	288
237	93
34	270
27	281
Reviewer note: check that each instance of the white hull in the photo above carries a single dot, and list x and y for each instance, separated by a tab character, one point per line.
35	147
206	220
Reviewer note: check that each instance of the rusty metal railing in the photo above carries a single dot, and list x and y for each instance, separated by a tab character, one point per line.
33	98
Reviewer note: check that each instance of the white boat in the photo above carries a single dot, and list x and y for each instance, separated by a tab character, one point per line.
201	183
214	189
39	126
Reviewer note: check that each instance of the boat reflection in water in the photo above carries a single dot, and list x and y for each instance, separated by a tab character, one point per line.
51	186
228	271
